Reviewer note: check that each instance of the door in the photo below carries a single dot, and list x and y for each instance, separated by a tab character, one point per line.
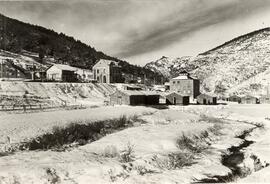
204	101
119	100
174	100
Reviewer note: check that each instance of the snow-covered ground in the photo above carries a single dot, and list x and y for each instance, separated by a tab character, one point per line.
156	138
20	127
87	94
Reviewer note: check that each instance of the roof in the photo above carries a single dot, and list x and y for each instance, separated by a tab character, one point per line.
234	96
248	96
184	72
131	93
175	93
265	96
205	95
180	77
64	67
107	62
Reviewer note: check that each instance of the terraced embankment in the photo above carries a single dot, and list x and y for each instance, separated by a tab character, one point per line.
18	92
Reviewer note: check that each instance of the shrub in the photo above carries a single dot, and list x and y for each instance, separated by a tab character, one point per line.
77	132
210	119
190	144
127	155
174	160
111	152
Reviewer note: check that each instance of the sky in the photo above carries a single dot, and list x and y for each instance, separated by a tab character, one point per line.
141	31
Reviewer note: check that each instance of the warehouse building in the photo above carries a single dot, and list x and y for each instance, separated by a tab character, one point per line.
134	98
248	99
235	98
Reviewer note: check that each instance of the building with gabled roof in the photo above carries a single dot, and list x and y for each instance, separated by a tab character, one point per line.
235	98
206	99
107	71
265	99
248	99
176	99
63	73
130	97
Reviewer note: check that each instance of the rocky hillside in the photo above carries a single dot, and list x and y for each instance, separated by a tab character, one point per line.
225	67
19	37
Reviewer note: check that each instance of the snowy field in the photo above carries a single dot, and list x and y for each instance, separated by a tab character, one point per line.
151	145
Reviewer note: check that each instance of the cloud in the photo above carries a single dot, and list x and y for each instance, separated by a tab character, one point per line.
128	28
179	25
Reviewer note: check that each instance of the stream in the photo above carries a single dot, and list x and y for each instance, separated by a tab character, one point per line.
232	160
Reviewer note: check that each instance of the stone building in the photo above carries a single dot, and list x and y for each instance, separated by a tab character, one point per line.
185	85
107	71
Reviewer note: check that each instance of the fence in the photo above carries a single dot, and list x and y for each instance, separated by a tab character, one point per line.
29	107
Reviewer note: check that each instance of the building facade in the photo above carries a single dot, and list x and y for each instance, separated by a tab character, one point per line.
248	99
235	98
61	73
134	98
265	99
85	75
176	99
205	99
185	85
107	71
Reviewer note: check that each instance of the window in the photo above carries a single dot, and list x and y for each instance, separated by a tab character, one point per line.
178	82
98	71
173	82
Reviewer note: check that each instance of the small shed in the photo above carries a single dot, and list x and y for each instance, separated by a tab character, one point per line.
235	98
128	97
265	99
176	99
206	99
248	99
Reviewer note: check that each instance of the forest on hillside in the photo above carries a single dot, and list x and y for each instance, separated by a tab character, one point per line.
17	36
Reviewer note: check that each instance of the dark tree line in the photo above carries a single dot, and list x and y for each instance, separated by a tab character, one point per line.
17	36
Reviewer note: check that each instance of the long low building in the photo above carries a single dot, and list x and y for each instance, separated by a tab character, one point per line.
205	99
134	98
248	99
176	99
265	99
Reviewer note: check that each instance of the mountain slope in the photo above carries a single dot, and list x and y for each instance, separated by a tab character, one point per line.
230	64
17	36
